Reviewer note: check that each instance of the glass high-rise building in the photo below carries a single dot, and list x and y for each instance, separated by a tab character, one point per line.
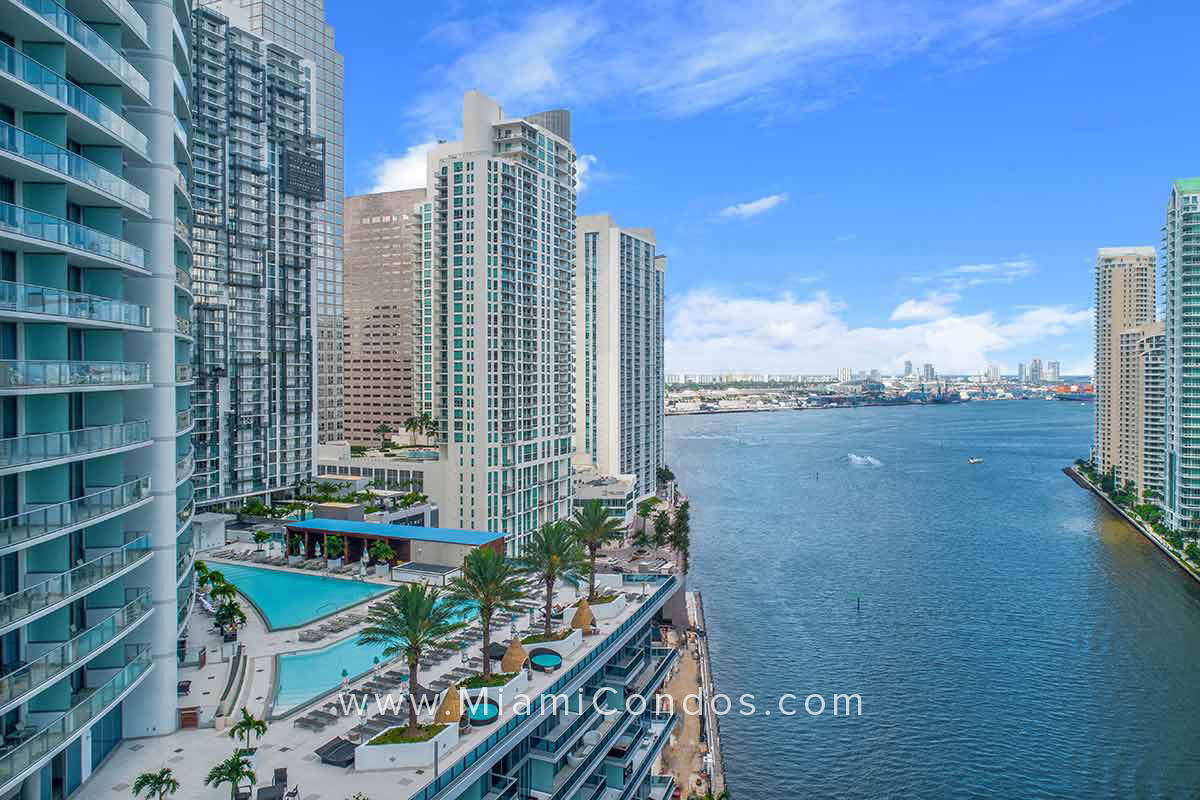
1181	290
96	577
496	310
299	26
258	185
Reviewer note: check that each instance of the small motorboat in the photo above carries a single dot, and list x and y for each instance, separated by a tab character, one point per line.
974	460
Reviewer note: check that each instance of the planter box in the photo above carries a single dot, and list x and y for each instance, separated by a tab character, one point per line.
564	647
500	695
333	563
399	756
604	611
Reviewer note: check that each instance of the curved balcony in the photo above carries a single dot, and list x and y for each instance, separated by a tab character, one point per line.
184	466
39	448
135	21
51	157
57	376
98	248
181	186
183	517
183	373
69	655
183	280
89	704
184	420
18	607
36	77
21	528
183	327
182	564
25	298
73	28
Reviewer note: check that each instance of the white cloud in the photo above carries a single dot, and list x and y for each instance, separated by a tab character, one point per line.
933	306
402	172
678	58
754	207
966	276
710	331
583	166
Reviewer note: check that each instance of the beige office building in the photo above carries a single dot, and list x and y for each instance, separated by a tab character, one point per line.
1125	306
380	272
619	285
1142	408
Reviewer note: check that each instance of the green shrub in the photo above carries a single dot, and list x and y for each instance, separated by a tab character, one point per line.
400	735
495	679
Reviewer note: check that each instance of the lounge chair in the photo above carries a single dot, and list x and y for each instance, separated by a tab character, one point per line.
337	752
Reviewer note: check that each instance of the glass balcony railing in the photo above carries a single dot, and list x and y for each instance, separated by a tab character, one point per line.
183	563
91	704
65	233
38	447
53	663
183	420
30	72
66	374
184	465
77	30
32	599
61	160
183	373
30	299
183	326
48	519
181	183
183	279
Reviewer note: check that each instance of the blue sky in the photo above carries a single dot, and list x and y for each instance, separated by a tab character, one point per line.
835	182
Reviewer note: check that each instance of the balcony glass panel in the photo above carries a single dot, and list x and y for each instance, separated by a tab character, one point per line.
59	159
40	374
30	72
64	657
89	40
31	299
41	521
183	420
94	704
32	599
184	466
37	447
64	233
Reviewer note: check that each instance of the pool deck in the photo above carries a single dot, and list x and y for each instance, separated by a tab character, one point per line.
190	754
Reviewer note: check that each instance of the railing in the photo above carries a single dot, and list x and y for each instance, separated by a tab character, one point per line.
183	278
36	447
124	10
48	519
25	69
32	599
76	29
30	299
182	563
599	751
63	161
183	325
184	465
27	753
181	183
434	788
65	233
183	420
183	373
62	658
41	374
639	774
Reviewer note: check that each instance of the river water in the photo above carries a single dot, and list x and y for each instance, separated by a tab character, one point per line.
1008	635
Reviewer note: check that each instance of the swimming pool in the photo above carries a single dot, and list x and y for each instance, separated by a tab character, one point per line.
305	675
291	599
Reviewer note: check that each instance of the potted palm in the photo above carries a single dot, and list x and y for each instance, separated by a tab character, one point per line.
295	543
380	552
157	785
334	547
246	728
233	771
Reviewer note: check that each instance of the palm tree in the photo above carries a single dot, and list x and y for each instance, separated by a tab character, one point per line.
681	540
156	784
233	771
222	592
248	726
408	622
202	573
414	425
662	529
261	538
381	551
490	583
383	430
594	527
550	555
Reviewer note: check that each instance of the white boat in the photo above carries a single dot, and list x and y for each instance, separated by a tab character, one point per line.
974	460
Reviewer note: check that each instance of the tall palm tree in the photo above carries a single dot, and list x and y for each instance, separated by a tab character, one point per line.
490	583
662	529
429	425
408	622
382	430
594	527
414	425
248	726
156	784
233	771
553	554
222	592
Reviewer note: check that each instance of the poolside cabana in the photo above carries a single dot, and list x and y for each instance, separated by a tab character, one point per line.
410	543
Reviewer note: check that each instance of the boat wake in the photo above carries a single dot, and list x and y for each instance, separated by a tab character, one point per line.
863	461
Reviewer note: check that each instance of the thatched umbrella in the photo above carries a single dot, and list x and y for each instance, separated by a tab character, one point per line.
514	658
451	710
584	618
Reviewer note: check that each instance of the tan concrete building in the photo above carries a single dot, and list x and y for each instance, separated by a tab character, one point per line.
1125	308
380	271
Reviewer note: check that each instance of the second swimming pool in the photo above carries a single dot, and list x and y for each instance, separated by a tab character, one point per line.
292	599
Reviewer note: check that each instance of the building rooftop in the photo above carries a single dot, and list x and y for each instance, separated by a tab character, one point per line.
443	535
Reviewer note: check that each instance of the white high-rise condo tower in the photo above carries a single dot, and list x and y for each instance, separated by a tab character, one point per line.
619	285
1181	287
96	346
496	350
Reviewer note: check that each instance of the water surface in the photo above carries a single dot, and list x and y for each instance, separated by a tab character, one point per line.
1015	639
